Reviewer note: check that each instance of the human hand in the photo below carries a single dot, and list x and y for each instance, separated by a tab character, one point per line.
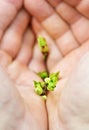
20	107
65	25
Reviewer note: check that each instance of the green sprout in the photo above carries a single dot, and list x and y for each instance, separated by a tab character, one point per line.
49	80
43	46
48	84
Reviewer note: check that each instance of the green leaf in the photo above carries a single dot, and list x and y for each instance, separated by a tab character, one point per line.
56	75
50	88
42	41
43	85
43	74
37	84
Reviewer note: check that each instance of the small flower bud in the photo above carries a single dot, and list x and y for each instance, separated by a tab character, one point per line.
44	97
39	90
47	80
43	46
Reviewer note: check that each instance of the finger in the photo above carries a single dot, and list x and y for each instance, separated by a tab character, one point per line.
26	51
12	39
36	7
67	43
54	3
81	5
5	59
81	30
73	2
71	15
75	20
37	63
8	11
55	26
54	54
71	60
83	8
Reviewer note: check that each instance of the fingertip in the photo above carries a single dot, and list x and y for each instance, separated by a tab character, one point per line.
17	3
39	8
54	3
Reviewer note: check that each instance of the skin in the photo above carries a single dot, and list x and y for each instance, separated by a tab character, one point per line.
18	111
64	28
67	107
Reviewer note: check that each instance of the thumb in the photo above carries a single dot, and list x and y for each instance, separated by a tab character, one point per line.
11	108
74	102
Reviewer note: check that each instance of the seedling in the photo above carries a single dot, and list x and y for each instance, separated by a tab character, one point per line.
49	80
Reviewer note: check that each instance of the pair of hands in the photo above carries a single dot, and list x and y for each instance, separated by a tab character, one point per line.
65	26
